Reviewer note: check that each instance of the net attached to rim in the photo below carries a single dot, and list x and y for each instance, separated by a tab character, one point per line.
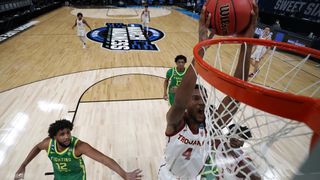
279	106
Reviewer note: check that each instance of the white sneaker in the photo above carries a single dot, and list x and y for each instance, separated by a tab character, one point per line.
84	46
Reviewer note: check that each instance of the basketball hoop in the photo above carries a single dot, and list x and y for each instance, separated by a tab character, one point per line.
278	103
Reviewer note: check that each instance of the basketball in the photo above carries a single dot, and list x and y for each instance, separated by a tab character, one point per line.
228	16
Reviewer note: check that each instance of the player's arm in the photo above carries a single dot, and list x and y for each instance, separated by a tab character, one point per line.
229	106
43	145
248	171
75	23
166	83
86	149
165	88
267	48
245	54
149	16
185	89
265	53
85	22
247	168
182	97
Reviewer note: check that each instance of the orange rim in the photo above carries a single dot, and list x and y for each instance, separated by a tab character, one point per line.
287	105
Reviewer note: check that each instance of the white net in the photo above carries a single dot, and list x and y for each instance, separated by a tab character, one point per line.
248	143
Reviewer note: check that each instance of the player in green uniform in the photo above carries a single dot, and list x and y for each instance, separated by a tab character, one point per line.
65	153
174	75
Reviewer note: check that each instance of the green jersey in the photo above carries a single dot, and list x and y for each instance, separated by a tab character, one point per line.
66	165
175	79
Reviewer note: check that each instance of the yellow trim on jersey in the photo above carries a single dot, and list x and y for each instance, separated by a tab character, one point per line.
49	147
84	170
55	148
172	73
185	70
74	147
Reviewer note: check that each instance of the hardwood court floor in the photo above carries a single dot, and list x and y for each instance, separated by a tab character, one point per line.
52	48
44	73
30	109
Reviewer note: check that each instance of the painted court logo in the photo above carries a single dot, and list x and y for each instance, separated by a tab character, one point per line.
118	36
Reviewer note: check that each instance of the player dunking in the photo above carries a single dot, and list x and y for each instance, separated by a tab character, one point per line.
80	22
65	153
184	154
145	19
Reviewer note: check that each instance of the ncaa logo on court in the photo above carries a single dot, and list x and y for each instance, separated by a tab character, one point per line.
121	37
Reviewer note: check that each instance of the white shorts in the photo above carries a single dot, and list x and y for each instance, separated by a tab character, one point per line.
258	52
165	174
81	33
145	21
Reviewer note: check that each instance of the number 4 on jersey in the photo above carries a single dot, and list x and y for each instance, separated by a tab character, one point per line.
187	153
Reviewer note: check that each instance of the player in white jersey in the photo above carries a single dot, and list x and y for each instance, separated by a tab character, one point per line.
145	19
260	51
185	154
80	22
